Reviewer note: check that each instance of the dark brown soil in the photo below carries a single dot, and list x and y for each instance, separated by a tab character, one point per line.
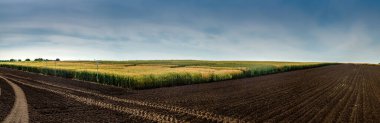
49	107
339	93
7	99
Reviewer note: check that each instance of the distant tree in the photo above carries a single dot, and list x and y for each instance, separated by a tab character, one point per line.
19	60
39	59
27	59
12	60
57	59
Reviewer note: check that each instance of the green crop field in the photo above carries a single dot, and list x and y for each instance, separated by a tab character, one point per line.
142	74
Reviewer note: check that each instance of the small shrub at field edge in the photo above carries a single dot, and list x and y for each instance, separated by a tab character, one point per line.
157	73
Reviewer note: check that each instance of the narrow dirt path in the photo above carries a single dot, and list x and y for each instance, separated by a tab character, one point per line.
19	112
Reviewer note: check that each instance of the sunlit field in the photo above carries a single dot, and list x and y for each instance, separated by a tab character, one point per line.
157	73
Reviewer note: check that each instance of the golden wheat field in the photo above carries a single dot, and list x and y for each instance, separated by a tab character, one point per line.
157	73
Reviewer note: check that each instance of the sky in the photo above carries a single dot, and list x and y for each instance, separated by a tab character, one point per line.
265	30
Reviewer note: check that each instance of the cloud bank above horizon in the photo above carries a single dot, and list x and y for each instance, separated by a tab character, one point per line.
276	30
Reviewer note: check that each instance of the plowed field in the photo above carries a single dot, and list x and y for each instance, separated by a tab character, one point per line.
337	93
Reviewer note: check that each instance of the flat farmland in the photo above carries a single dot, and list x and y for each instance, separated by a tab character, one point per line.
335	93
157	73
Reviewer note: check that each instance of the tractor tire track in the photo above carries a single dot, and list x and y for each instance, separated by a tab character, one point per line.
140	113
199	114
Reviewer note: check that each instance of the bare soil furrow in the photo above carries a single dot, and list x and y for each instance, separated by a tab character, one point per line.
309	88
351	106
295	105
311	106
327	104
338	102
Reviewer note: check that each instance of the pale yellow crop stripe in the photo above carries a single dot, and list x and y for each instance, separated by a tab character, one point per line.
19	112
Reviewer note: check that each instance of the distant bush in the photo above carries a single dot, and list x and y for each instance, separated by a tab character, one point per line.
12	60
57	59
27	59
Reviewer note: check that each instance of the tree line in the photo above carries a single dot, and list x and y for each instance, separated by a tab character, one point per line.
36	59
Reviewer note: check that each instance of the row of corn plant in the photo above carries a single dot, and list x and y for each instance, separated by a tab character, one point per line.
159	80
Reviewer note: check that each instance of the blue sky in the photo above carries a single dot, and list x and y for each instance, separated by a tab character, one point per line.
277	30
